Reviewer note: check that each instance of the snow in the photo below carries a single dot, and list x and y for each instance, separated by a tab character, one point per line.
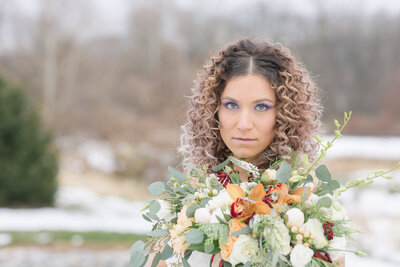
78	210
371	147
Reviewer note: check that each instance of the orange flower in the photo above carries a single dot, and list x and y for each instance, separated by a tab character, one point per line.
244	208
234	225
284	196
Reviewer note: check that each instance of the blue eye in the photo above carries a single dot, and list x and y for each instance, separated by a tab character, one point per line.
231	105
263	107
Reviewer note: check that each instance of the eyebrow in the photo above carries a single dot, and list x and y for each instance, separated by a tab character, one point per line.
256	101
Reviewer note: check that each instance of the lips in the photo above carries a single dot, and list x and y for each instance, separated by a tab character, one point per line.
244	139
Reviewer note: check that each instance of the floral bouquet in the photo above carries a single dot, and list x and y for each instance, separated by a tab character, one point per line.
277	218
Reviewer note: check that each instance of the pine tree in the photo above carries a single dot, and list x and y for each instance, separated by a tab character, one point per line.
28	158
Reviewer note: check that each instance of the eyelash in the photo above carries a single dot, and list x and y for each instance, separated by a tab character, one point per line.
265	106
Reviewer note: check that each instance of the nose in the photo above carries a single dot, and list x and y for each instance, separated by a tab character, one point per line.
245	122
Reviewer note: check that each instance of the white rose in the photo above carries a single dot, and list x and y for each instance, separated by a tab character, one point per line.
243	250
295	217
202	215
280	237
314	227
165	211
218	212
300	255
337	243
222	201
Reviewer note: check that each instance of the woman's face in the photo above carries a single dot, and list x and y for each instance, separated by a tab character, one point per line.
247	115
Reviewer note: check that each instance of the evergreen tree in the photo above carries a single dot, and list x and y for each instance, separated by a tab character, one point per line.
28	158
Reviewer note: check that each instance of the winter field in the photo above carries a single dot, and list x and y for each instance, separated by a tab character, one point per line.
81	208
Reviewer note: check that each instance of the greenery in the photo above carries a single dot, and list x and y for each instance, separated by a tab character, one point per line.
28	160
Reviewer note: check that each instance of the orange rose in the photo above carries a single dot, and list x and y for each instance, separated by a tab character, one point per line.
234	225
178	241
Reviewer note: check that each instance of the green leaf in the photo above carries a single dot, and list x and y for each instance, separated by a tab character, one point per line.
152	216
191	210
157	188
284	172
146	218
204	202
137	255
156	260
177	174
333	184
185	263
247	264
220	219
167	252
324	202
221	166
190	189
323	173
227	264
187	254
158	233
242	231
227	217
209	248
194	236
154	207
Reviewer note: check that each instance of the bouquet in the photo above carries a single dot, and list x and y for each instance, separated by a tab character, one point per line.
278	217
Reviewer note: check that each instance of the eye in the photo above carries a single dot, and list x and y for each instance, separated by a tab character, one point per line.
263	107
231	105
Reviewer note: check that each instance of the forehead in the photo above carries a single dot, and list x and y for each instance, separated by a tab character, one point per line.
248	88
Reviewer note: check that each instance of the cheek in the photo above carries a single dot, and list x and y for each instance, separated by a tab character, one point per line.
225	119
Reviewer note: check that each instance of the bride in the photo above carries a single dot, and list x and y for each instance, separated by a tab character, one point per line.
253	101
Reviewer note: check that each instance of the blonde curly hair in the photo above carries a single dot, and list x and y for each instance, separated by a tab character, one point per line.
298	104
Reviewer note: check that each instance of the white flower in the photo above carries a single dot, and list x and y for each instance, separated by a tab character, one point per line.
300	255
314	227
218	212
268	175
279	236
202	215
338	212
310	185
243	250
295	217
165	211
311	201
247	186
222	201
337	243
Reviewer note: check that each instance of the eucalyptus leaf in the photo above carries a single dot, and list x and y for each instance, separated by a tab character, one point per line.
242	231
154	207
156	260
220	219
158	233
209	248
187	253
137	255
177	174
227	264
157	188
191	210
221	166
333	184
185	263
284	172
227	217
247	264
194	236
152	216
146	218
323	173
190	189
167	252
204	202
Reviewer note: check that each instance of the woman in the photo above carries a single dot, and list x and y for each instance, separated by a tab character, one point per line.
253	101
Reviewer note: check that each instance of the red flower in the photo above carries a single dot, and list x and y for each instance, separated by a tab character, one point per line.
328	232
223	178
322	255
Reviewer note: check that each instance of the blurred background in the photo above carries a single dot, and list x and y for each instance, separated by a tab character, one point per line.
92	95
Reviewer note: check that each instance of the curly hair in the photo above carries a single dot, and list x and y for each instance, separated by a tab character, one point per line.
298	104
